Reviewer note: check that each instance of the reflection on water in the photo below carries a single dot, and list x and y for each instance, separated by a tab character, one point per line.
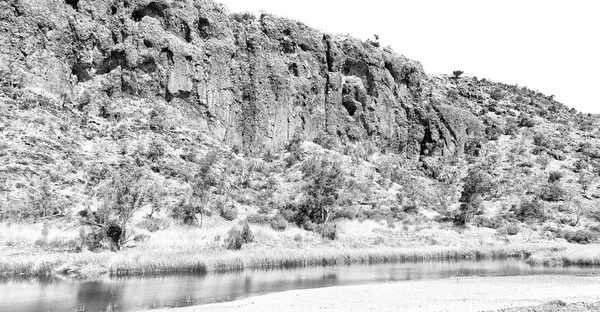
138	293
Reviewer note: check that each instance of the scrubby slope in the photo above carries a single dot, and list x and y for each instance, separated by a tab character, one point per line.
236	117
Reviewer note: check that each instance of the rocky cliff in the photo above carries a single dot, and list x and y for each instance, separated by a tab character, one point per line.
249	82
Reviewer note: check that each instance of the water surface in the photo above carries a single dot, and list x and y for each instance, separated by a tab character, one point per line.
142	293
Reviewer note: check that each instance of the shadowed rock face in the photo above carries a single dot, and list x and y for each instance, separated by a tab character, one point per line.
248	82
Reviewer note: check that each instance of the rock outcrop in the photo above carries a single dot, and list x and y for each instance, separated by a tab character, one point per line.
248	82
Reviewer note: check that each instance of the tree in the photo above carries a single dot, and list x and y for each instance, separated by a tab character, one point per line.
457	73
155	195
42	199
476	184
323	191
585	181
202	182
121	196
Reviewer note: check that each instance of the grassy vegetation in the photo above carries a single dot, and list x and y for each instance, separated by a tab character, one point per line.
171	199
181	248
568	255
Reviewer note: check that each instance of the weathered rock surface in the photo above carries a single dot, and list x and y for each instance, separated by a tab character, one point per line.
248	82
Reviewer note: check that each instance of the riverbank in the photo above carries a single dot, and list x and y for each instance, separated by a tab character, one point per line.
25	253
131	263
453	294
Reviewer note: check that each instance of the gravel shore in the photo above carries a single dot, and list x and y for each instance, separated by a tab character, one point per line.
453	294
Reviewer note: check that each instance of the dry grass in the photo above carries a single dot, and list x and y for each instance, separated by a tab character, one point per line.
190	249
567	255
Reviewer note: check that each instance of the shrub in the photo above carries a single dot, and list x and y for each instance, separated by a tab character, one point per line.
327	141
509	229
238	236
497	94
492	223
295	149
227	212
552	192
152	225
555	176
493	133
156	149
242	17
185	211
580	236
278	223
580	165
530	209
327	230
511	127
540	139
258	218
90	238
526	121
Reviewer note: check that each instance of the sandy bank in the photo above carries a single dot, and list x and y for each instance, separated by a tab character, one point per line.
454	294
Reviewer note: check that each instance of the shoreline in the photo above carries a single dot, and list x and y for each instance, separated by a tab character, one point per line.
154	262
450	294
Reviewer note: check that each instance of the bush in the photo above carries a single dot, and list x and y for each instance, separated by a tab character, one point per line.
258	218
526	121
152	225
580	236
278	223
238	236
327	230
327	141
91	238
552	192
156	149
509	229
492	223
242	17
555	176
530	209
227	212
497	94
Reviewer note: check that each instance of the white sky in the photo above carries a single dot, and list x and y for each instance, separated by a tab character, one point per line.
550	46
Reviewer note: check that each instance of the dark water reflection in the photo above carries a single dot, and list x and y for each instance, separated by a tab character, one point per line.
125	294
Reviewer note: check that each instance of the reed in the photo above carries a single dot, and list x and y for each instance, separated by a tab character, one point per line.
569	255
188	249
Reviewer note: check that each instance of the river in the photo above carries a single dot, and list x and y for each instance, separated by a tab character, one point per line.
152	292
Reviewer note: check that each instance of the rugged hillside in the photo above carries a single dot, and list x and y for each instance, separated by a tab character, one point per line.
184	90
249	82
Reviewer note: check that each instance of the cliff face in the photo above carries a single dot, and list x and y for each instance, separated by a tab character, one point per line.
248	82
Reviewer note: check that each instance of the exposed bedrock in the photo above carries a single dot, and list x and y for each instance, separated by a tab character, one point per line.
250	82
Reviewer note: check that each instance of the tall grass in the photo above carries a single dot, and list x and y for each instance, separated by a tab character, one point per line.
568	255
169	261
188	249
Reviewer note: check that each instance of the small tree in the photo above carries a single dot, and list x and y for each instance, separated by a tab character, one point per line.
476	184
155	195
585	181
457	73
121	195
323	192
205	178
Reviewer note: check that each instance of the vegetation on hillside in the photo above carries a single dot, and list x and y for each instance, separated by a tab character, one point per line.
129	173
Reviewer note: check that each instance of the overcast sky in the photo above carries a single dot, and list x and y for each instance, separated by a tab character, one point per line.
550	46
